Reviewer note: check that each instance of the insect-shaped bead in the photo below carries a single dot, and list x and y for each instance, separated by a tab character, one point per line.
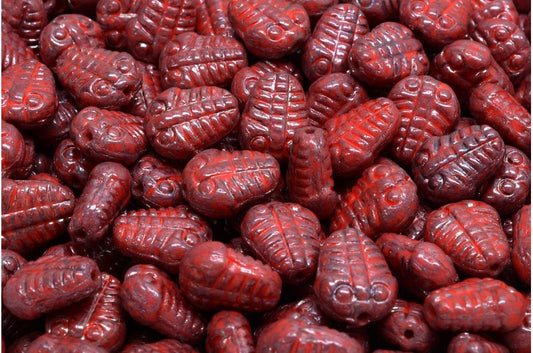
71	165
220	184
384	199
150	88
353	282
475	304
212	18
98	77
34	212
180	122
50	283
161	237
154	300
113	16
229	331
27	18
49	343
471	234
215	277
99	319
29	98
326	51
521	250
11	263
14	49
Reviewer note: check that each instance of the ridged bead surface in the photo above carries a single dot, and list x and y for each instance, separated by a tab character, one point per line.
167	345
220	184
106	193
107	135
466	342
212	18
215	277
99	319
50	283
154	300
161	237
521	248
71	165
286	236
453	167
11	263
27	17
33	213
150	88
192	60
229	331
14	49
180	122
383	199
353	282
475	304
16	156
48	343
471	234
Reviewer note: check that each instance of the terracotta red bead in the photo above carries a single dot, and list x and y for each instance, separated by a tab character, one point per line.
48	343
161	237
150	88
269	29
99	319
27	18
14	49
106	193
34	213
521	248
58	127
519	339
475	304
229	331
17	154
378	11
167	345
113	16
212	18
11	263
215	277
464	342
181	122
353	282
71	165
50	283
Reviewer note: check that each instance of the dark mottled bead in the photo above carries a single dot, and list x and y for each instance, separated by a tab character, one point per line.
475	304
215	277
20	345
220	184
356	137
150	88
49	343
464	64
14	49
453	167
378	11
98	77
353	283
50	283
229	331
106	193
99	319
181	122
406	329
17	155
156	183
58	128
275	110
492	105
524	21
71	165
470	232
437	22
160	237
519	339
157	23
154	300
270	29
509	190
508	45
305	310
106	135
27	18
415	230
523	92
521	249
315	8
288	335
113	16
326	51
487	9
28	94
382	200
212	18
523	6
421	267
309	173
65	31
55	7
11	263
286	236
467	342
167	345
427	108
34	212
192	60
329	93
245	79
387	54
